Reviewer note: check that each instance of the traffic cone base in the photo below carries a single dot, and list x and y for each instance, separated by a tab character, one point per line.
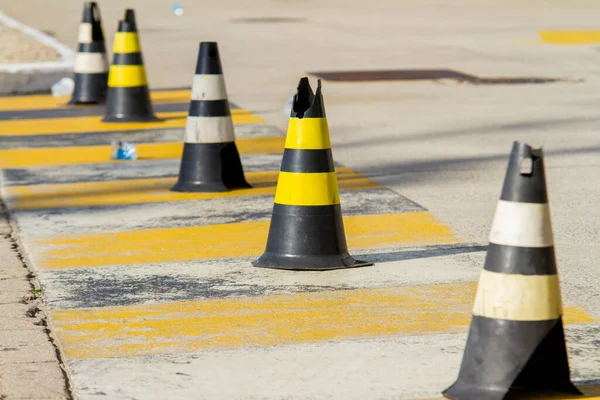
210	167
537	361
210	161
128	98
91	66
307	229
126	104
516	340
89	88
307	238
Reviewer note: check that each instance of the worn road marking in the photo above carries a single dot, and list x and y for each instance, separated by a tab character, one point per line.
590	392
51	156
270	320
53	126
174	214
570	37
38	102
149	190
242	239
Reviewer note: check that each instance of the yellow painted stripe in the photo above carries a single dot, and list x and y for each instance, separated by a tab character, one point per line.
590	392
245	239
138	191
570	37
42	102
126	42
307	134
307	189
150	329
53	156
518	297
55	126
127	76
171	96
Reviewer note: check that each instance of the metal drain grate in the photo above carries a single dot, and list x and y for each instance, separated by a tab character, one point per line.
267	20
427	74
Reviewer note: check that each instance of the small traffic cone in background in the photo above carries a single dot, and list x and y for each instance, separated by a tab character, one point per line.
210	160
307	230
128	98
516	341
91	65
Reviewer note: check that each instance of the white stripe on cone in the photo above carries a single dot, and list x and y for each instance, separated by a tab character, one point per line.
522	225
91	63
517	297
85	33
209	130
209	87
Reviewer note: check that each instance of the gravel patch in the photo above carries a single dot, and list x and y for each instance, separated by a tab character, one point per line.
18	47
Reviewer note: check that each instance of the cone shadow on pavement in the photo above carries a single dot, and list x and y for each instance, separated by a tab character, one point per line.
516	342
91	65
210	161
128	98
307	229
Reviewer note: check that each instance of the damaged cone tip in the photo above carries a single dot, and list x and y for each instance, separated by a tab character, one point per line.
307	230
128	98
91	65
516	342
210	161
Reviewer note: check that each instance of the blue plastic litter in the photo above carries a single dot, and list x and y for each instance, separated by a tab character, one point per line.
123	150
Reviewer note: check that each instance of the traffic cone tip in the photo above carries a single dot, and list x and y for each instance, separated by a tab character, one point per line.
130	19
88	12
307	104
525	178
209	61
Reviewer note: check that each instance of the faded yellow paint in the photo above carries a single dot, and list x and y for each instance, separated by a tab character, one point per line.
41	102
52	156
126	42
171	96
570	37
56	126
308	134
265	321
244	239
127	76
307	189
150	190
590	392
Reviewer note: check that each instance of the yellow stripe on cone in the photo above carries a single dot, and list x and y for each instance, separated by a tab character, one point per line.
126	42
127	76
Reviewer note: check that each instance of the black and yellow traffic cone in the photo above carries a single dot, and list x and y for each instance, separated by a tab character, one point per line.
210	160
128	98
91	65
516	342
307	230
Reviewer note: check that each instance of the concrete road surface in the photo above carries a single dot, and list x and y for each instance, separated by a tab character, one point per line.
438	145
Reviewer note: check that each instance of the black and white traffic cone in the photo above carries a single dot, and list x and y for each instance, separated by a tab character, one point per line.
516	342
210	160
91	64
